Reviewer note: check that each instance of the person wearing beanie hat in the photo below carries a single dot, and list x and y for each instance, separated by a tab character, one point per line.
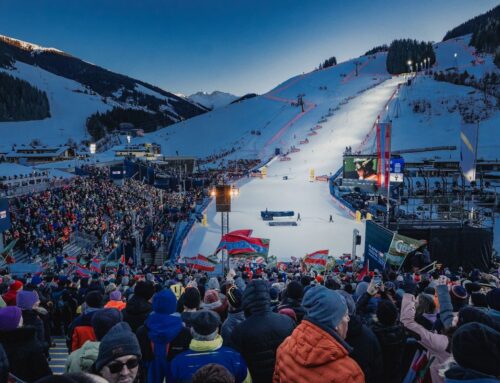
235	314
138	306
212	301
10	296
459	297
191	303
316	350
262	331
493	300
366	347
81	330
115	301
274	295
21	346
81	360
206	348
292	300
28	301
476	350
162	337
392	337
119	355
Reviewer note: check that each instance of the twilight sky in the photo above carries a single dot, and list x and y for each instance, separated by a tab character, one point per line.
237	46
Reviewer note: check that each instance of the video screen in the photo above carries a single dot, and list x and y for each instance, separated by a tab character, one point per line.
360	168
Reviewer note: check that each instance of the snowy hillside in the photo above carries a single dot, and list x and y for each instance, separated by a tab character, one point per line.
214	100
76	90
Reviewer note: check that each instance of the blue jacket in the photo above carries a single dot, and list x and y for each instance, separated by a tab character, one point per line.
201	353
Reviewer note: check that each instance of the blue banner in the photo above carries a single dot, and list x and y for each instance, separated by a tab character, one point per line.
377	242
4	215
20	269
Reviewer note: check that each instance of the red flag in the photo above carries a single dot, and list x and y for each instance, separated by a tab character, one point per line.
364	271
317	258
200	262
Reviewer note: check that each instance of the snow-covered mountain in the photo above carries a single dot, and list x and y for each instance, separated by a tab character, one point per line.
213	100
77	89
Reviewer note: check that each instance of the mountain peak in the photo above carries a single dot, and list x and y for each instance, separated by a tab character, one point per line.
29	46
213	100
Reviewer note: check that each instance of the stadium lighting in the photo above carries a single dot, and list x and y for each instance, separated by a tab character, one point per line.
455	55
92	148
213	193
235	191
129	137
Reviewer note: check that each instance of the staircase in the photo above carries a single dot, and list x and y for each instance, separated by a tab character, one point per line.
58	355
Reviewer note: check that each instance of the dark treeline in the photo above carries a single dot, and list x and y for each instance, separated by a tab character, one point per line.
489	83
99	124
379	48
332	61
400	51
20	101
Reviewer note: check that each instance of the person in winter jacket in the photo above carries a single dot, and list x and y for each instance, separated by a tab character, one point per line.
115	301
119	355
10	296
206	348
235	314
258	337
4	365
27	301
82	359
366	349
162	337
81	330
292	299
392	338
191	303
316	351
26	357
476	351
138	306
493	300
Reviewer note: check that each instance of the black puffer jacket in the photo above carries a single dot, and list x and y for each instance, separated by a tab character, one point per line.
26	358
366	349
136	312
392	340
260	334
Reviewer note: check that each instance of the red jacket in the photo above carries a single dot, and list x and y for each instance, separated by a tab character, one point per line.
311	355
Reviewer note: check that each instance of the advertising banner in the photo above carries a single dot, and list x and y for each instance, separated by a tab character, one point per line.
400	247
377	242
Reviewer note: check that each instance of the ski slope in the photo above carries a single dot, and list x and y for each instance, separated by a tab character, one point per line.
311	199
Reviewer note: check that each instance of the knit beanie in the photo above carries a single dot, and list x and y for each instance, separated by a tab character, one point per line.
477	347
205	322
294	290
144	289
324	306
351	306
493	299
192	298
470	314
479	300
110	288
164	302
16	285
26	299
93	299
115	295
103	320
458	296
213	284
234	297
119	341
387	313
9	318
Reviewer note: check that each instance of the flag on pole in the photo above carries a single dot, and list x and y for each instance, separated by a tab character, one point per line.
383	153
240	243
95	265
319	257
82	272
200	262
468	140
